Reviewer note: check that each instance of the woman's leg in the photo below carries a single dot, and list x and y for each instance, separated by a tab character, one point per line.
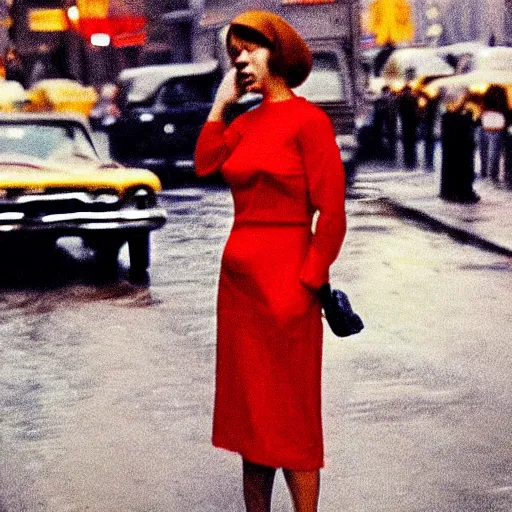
495	146
484	153
258	485
305	489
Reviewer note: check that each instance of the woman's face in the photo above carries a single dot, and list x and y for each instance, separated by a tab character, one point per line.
251	61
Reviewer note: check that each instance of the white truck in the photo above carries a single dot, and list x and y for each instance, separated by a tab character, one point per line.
331	29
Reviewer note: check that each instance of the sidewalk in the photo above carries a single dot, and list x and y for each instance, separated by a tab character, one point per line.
416	194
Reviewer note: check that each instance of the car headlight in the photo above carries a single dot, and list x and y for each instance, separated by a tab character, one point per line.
140	198
146	117
106	197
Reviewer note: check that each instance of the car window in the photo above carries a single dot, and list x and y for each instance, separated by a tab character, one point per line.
465	64
46	142
326	61
186	89
414	64
326	82
74	145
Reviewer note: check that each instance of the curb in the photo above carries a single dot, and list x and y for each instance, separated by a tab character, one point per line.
461	235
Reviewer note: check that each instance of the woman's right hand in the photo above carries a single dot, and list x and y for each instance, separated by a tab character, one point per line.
227	93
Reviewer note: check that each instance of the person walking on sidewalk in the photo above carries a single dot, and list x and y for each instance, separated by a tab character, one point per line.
386	123
507	151
492	132
408	111
458	151
282	165
14	69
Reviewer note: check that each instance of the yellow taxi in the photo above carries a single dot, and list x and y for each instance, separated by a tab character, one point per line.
61	95
53	184
490	66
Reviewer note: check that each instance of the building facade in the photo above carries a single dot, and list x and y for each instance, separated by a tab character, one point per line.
467	20
507	31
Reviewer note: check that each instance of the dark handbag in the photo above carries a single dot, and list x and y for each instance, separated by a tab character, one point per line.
339	313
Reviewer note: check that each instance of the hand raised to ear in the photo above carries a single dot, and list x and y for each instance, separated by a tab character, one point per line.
227	93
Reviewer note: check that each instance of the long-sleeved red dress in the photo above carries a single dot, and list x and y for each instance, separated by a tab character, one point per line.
282	165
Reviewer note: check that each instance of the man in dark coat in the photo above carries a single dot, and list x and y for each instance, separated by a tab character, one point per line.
408	112
14	69
458	146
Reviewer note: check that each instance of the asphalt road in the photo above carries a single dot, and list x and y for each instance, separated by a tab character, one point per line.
106	389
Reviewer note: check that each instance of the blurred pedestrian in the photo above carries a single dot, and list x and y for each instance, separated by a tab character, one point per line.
44	67
385	121
14	69
507	146
283	165
429	123
381	58
492	132
408	112
106	110
458	148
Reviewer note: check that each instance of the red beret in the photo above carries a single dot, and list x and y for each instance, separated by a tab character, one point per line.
291	51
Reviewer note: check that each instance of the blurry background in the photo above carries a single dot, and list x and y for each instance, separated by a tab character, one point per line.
92	40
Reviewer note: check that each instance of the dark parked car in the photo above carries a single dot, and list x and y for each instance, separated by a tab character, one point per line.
162	109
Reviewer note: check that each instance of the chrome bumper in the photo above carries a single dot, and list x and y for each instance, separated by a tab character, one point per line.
76	222
158	164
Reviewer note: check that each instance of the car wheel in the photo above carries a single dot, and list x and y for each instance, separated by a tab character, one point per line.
139	250
107	254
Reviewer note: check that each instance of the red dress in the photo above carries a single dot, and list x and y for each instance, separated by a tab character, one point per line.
282	164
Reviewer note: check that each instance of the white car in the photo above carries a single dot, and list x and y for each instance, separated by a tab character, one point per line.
407	64
490	66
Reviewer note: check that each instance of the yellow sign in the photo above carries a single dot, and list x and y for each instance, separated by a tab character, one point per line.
93	8
391	21
47	20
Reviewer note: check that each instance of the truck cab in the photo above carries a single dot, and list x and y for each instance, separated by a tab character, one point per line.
332	32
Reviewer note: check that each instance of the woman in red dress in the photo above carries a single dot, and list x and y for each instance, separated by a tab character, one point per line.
282	164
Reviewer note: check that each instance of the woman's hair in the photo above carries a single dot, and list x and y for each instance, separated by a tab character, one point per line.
495	98
290	56
249	35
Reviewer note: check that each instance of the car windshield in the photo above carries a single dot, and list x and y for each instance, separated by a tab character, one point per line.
187	89
44	143
415	64
326	80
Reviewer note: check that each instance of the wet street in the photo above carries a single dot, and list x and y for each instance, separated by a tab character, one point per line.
106	388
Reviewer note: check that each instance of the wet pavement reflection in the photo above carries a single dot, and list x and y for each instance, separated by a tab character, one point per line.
106	387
